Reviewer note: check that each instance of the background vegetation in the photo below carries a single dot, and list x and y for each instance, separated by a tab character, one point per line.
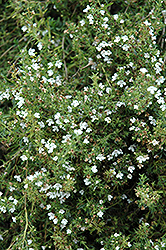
82	124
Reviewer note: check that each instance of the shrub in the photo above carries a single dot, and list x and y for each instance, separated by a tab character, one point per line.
83	127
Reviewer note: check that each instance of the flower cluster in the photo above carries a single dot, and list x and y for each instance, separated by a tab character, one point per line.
84	118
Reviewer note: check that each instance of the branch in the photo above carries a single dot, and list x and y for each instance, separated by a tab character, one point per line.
63	41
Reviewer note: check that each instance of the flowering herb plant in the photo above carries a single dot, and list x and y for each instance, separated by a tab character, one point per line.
84	166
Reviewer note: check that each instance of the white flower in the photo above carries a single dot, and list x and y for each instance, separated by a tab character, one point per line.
52	81
58	64
100	214
41	124
117	152
85	141
116	40
100	157
88	130
18	178
152	89
119	175
21	102
160	80
37	115
131	169
125	47
57	116
23	157
24	28
154	142
82	22
61	211
40	46
102	12
87	181
64	222
14	219
50	146
55	158
141	158
55	221
90	17
48	207
136	106
87	8
94	169
121	83
133	120
129	244
50	64
78	131
147	23
68	231
35	66
107	119
125	38
129	176
115	17
50	122
105	19
108	90
143	70
66	138
12	209
116	235
57	186
51	216
83	125
50	72
31	52
110	197
25	139
81	192
75	103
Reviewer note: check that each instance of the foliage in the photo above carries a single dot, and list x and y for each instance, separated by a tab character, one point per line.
83	127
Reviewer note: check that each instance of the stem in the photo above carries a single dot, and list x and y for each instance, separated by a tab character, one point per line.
63	41
26	214
26	220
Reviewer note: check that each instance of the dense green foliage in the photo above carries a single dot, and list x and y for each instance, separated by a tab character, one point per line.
83	125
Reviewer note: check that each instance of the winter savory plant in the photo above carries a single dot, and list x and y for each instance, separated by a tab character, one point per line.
83	121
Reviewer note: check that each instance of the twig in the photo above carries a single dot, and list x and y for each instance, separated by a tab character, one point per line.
18	57
26	214
63	42
148	15
89	64
127	8
10	48
162	40
9	248
163	32
2	166
26	222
